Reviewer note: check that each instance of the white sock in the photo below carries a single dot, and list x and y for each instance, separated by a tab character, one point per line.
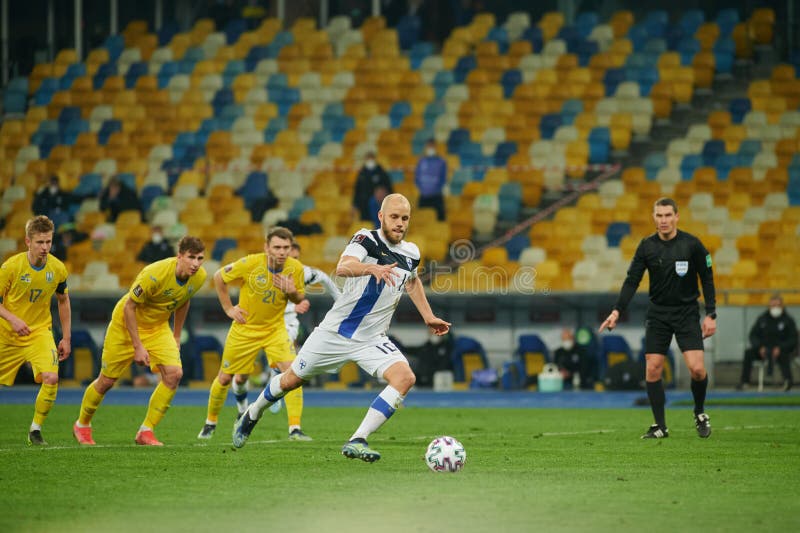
145	428
35	426
210	423
382	408
82	425
271	394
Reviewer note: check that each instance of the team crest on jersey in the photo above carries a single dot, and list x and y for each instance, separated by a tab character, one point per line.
48	276
681	268
357	238
138	290
228	267
190	289
408	260
168	292
25	278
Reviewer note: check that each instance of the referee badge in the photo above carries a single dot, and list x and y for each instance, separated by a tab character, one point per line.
681	268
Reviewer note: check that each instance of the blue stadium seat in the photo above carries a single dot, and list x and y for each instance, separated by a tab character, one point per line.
148	194
166	72
750	147
89	186
510	200
103	71
398	112
638	36
234	29
727	19
409	28
549	124
585	51
456	138
166	32
655	22
532	353
612	78
342	126
569	34
499	35
738	108
724	164
255	187
318	140
135	71
419	51
687	48
712	149
599	145
432	112
615	232
655	46
691	20
464	66
468	355
221	246
533	34
503	151
689	164
115	44
108	127
585	23
613	349
724	54
128	179
300	206
15	101
69	131
653	162
509	80
516	244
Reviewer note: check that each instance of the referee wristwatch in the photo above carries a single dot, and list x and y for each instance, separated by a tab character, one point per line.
713	315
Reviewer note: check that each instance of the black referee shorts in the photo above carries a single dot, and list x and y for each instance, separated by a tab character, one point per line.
664	322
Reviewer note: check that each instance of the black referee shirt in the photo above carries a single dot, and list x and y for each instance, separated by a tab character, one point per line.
673	267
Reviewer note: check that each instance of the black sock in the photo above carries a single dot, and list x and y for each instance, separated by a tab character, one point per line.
655	393
699	393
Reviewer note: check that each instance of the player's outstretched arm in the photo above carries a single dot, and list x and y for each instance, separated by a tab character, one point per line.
417	294
351	267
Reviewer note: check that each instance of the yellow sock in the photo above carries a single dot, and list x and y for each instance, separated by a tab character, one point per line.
294	406
44	402
91	401
159	403
216	399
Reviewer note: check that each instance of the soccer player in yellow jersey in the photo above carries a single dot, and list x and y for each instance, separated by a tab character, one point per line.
269	281
139	332
28	281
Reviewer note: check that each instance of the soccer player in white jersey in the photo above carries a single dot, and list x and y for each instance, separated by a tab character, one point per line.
378	265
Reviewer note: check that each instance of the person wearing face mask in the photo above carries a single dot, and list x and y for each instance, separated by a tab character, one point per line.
571	360
773	338
430	178
156	249
51	200
370	177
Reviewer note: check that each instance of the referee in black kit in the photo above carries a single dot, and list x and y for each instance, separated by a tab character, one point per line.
673	259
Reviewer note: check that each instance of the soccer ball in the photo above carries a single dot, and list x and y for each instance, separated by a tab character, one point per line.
445	454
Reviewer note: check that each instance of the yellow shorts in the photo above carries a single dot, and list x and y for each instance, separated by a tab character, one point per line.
40	352
242	347
118	351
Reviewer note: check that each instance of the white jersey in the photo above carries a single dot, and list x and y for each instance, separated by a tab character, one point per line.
312	276
365	309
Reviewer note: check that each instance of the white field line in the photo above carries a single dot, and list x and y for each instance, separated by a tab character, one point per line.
251	443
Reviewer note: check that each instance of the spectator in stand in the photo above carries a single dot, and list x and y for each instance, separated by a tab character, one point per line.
370	177
67	236
117	197
773	338
430	178
157	248
51	199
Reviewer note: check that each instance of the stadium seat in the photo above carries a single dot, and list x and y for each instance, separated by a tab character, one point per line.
468	355
613	349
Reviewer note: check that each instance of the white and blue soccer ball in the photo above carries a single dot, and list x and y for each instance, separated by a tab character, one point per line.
445	454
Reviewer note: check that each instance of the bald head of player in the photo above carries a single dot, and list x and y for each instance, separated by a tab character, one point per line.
394	216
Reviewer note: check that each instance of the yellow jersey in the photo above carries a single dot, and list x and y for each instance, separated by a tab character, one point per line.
263	302
158	293
26	291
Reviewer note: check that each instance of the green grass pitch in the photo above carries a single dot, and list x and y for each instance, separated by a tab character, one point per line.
526	470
